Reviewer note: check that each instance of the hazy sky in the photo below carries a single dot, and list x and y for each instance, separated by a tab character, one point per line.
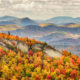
40	9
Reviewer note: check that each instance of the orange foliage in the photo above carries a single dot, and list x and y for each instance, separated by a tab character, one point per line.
65	52
78	61
73	74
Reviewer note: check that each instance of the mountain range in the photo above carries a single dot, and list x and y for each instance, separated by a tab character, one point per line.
17	21
8	18
56	31
60	20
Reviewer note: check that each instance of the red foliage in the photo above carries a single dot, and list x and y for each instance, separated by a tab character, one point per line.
63	71
1	50
31	53
73	74
37	77
73	61
52	69
49	77
13	42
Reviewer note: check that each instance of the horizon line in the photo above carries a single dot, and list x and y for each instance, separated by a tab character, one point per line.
38	19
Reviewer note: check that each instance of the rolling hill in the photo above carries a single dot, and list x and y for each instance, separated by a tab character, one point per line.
62	20
66	32
8	18
71	25
67	41
20	22
9	27
22	58
44	31
25	22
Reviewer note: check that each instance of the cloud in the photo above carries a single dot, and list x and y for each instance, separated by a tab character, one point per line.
40	9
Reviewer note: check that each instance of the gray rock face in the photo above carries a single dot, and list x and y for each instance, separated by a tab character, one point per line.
47	49
3	45
20	45
52	52
23	47
37	46
9	41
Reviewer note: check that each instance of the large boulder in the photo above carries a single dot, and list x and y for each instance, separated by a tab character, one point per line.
19	44
22	46
37	46
47	49
51	51
3	45
9	42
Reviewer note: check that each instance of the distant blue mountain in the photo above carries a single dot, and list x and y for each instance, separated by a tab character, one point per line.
54	34
8	18
7	22
25	22
20	22
33	28
69	24
67	41
48	29
52	28
62	20
53	37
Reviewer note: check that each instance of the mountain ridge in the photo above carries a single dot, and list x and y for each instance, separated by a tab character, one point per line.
8	18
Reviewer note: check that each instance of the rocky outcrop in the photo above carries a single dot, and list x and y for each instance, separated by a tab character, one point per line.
51	51
22	46
37	46
3	45
47	49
